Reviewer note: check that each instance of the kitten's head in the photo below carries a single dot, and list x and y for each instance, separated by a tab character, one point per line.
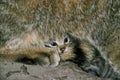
64	46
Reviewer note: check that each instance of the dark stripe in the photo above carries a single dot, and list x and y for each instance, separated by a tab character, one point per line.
106	68
110	73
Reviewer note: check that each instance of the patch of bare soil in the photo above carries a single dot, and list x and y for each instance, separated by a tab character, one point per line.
65	71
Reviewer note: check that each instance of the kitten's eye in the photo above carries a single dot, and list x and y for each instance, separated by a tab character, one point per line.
54	43
66	40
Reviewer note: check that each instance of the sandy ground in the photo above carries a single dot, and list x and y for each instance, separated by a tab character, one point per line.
65	71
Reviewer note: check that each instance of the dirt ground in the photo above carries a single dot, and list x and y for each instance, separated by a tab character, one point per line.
65	71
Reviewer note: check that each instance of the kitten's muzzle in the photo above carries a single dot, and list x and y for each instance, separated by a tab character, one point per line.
62	49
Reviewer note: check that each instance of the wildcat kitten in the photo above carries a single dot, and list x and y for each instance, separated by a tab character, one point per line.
63	46
86	55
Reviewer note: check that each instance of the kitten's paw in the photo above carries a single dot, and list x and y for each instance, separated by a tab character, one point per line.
54	59
54	64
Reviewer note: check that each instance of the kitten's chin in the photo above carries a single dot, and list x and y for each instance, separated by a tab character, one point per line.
63	52
68	55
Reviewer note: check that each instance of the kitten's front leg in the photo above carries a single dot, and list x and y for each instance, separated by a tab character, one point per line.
54	58
54	55
50	57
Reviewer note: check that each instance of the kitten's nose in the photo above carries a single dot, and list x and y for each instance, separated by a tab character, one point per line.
62	49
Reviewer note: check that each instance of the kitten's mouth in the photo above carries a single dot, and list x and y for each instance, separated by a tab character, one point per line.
61	52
